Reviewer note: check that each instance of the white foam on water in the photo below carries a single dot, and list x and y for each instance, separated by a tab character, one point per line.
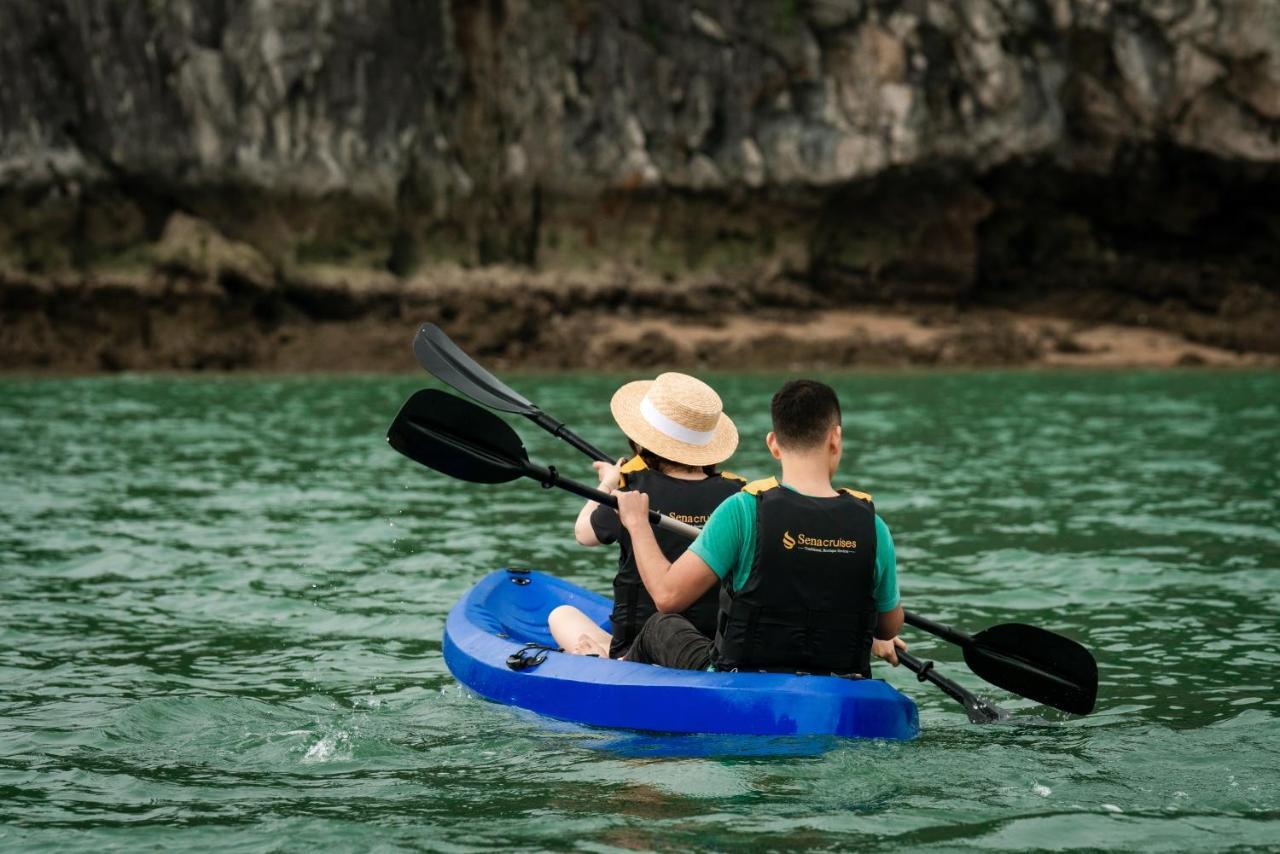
1111	808
1041	790
335	746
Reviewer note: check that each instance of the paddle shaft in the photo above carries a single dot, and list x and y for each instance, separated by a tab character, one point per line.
928	674
947	633
549	477
557	429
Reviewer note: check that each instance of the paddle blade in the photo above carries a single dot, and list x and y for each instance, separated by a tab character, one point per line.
457	438
1037	664
444	360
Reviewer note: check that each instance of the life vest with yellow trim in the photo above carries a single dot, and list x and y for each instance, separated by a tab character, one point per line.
808	604
690	501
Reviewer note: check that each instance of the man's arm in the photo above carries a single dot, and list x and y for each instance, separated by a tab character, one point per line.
887	643
673	586
889	624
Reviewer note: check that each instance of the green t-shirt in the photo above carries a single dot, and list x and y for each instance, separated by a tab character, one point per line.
728	545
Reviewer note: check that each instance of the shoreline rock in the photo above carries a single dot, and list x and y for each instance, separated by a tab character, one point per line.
192	318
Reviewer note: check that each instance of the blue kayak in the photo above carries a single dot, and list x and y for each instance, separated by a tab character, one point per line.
508	609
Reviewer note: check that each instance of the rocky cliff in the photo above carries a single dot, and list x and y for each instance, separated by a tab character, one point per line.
270	158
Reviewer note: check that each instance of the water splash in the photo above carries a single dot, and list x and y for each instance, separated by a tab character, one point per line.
334	747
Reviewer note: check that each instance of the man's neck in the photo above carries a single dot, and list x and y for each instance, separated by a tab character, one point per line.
807	474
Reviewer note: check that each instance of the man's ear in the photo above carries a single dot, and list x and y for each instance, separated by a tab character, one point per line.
835	439
771	442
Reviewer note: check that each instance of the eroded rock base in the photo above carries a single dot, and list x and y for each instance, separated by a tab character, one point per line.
120	277
515	319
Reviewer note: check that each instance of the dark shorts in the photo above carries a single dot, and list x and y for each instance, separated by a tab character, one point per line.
671	641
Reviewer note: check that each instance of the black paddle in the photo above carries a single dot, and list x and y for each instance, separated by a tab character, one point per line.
444	360
457	438
1026	660
460	439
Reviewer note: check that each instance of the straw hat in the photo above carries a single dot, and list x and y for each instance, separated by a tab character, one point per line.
676	416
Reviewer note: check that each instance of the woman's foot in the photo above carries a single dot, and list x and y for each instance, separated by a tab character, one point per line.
587	645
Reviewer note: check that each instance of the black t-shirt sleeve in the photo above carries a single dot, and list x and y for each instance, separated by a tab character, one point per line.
606	524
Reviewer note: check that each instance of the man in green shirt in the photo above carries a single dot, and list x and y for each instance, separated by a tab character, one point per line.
807	572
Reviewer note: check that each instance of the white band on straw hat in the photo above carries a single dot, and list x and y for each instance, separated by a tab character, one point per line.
674	429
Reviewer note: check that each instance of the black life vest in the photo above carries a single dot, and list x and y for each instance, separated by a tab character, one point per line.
809	603
690	501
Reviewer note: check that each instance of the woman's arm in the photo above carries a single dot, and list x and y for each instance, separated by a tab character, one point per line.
583	531
610	477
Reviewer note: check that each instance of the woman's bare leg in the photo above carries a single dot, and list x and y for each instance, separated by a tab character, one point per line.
575	633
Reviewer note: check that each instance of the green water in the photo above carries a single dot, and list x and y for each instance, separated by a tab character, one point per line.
223	601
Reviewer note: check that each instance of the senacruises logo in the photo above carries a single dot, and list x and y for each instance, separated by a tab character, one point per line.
818	544
692	520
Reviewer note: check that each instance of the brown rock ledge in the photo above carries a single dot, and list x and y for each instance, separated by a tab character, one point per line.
220	311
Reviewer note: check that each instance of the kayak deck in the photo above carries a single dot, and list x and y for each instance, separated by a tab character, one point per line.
509	608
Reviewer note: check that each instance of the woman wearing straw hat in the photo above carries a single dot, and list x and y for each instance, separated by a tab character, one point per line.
679	433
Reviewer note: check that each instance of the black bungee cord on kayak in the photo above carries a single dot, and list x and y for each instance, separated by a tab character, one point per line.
530	655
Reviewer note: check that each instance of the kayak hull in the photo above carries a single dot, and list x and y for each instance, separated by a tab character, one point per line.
509	608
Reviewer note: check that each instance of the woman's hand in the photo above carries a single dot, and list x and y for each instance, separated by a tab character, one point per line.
633	509
888	650
610	474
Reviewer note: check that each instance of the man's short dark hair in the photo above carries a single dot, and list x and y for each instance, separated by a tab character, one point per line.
803	412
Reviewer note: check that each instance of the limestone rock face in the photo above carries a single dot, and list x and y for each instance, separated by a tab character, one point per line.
459	98
876	149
